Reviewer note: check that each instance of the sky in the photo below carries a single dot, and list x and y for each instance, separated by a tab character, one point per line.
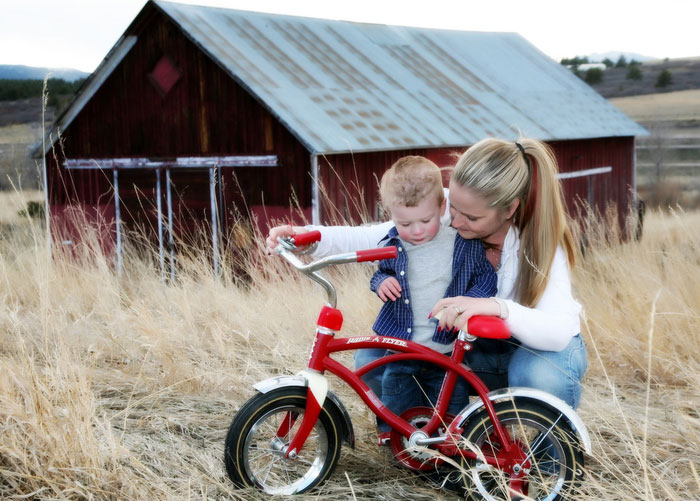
79	33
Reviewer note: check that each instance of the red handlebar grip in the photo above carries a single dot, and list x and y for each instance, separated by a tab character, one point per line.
306	238
376	254
488	327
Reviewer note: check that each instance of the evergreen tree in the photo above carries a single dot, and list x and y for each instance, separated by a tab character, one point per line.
634	72
594	76
664	80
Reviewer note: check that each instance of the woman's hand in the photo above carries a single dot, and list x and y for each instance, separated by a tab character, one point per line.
286	230
456	311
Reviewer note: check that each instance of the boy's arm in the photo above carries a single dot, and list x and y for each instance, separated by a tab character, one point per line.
483	281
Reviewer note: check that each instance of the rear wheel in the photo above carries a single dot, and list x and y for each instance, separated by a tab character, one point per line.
260	433
553	461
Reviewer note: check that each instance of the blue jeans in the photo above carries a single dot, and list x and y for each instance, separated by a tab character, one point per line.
373	379
414	383
500	364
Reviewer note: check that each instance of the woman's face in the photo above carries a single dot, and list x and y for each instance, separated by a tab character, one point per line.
471	215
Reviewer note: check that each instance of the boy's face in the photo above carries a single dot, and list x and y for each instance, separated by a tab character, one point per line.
420	224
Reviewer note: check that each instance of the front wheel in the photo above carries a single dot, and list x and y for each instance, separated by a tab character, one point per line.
260	433
553	464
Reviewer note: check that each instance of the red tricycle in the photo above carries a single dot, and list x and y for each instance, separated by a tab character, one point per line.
510	443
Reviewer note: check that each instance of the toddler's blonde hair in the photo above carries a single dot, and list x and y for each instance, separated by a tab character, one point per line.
410	181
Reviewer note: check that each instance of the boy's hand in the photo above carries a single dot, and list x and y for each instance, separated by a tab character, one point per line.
286	230
389	289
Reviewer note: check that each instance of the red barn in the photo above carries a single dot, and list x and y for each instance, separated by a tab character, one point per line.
208	115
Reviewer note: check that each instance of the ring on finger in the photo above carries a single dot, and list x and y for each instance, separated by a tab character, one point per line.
459	310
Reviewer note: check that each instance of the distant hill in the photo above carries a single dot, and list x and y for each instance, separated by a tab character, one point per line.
19	72
621	82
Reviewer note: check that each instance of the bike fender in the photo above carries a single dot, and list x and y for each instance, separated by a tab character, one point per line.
554	403
300	380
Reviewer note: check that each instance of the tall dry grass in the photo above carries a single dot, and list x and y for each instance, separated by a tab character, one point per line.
123	386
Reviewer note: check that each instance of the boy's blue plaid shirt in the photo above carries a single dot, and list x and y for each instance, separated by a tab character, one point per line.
472	276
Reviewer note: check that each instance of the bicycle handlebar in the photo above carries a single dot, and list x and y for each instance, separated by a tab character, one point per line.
376	254
481	326
288	247
488	327
307	238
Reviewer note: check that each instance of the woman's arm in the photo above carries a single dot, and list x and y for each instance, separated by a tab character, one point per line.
555	320
337	239
334	239
549	326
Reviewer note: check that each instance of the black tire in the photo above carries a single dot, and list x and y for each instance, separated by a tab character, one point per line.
253	452
552	447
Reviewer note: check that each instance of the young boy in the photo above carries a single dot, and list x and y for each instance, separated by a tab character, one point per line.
411	284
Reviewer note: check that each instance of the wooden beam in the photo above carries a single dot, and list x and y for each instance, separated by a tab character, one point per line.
584	172
176	163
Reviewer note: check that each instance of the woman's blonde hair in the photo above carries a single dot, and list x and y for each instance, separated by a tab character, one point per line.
504	171
409	181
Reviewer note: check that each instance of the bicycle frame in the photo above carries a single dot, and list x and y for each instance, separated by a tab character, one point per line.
320	361
330	321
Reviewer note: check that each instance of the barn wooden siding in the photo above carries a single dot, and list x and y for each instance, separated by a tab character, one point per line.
600	192
349	178
205	113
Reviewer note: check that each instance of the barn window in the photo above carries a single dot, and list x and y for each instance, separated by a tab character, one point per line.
164	75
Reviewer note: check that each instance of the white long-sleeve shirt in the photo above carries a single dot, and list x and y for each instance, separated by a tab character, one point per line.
548	326
554	320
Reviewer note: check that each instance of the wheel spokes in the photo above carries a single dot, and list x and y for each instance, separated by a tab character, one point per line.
267	443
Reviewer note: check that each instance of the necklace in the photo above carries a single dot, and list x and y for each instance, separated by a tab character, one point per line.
496	256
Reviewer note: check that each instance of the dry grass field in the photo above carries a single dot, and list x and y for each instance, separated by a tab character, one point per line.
16	167
123	387
668	160
681	105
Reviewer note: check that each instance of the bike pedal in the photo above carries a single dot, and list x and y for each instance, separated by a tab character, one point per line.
384	439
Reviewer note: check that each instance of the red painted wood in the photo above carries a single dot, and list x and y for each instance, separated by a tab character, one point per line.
207	113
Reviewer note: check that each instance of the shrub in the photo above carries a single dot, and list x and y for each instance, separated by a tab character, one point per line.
634	72
35	210
664	80
594	76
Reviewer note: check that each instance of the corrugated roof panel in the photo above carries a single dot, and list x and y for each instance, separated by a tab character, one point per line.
342	86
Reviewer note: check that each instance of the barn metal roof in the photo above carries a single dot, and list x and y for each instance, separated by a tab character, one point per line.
343	86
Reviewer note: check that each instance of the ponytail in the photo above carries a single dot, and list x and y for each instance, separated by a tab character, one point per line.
543	224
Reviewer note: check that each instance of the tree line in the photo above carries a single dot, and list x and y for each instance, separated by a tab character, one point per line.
13	90
594	76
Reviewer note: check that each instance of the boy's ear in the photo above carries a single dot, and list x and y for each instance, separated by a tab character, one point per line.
443	206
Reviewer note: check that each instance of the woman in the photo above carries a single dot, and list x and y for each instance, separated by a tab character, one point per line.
507	194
